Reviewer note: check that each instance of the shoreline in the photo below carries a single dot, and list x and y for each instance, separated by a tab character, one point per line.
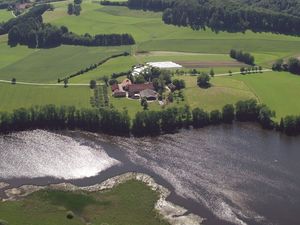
174	214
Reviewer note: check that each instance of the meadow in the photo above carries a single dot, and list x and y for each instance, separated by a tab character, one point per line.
155	42
117	206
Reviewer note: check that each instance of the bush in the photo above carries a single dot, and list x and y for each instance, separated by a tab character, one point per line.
3	222
203	80
70	215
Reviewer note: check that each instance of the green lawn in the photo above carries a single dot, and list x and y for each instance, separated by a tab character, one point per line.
131	203
16	96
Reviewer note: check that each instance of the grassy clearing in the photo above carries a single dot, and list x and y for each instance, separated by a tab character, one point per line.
47	65
16	96
278	90
5	15
120	206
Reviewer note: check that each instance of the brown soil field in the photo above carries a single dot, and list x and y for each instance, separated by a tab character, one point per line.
211	64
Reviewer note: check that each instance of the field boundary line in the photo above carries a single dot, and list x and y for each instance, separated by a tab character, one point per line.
45	84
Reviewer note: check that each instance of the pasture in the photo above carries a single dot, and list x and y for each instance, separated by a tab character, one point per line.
116	206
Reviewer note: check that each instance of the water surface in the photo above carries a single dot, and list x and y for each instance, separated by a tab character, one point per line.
237	174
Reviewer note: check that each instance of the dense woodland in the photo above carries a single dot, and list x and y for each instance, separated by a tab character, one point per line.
232	16
147	122
30	30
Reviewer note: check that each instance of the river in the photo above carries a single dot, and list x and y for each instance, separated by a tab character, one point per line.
228	174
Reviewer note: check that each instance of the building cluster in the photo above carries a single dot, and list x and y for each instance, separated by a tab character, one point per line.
145	90
134	91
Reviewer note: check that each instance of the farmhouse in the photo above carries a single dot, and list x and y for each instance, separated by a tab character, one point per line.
118	91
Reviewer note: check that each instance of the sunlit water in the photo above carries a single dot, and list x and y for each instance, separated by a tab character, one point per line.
42	154
242	174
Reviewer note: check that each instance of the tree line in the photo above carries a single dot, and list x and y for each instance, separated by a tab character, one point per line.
154	5
113	3
30	30
92	67
241	56
292	65
232	16
108	120
51	117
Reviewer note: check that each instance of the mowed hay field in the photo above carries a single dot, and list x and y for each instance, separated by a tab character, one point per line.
116	206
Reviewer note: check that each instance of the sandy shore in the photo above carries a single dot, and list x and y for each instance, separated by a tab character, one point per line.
174	214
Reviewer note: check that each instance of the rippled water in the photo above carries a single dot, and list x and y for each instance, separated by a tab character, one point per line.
239	174
43	154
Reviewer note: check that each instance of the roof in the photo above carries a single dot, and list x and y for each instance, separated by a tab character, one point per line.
140	87
148	93
114	87
126	82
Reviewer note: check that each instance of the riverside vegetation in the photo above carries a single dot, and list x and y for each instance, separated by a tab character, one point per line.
112	121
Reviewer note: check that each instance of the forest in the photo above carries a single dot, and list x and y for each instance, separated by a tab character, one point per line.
231	16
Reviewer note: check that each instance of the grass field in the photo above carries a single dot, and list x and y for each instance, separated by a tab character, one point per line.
5	15
279	90
47	65
163	42
16	96
224	90
119	206
152	34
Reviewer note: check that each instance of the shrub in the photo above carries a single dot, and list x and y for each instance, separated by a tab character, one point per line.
70	215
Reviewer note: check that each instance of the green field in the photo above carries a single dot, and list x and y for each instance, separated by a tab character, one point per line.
47	65
161	43
224	90
16	96
279	90
5	15
117	206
